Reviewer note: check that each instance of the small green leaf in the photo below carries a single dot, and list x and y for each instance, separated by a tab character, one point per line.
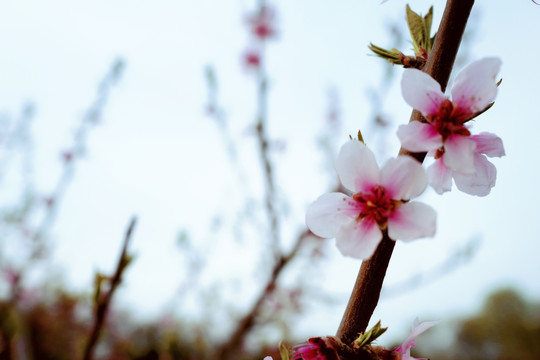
371	335
428	41
416	28
420	29
428	19
392	56
283	351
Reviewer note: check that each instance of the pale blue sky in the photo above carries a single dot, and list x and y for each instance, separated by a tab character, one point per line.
157	155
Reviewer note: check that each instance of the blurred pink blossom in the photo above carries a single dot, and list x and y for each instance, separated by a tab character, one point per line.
67	156
262	23
12	276
405	348
252	59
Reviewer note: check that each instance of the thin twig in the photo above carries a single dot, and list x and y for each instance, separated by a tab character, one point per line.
18	137
268	173
367	289
454	260
249	320
103	300
91	116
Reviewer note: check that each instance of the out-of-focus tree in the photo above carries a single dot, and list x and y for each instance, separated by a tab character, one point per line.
507	328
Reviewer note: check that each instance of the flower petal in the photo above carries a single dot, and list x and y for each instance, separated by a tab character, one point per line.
409	342
479	183
476	85
459	153
329	213
421	91
359	239
440	176
417	136
412	221
403	178
488	144
356	166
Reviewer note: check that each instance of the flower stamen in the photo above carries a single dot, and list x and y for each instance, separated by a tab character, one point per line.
449	120
376	204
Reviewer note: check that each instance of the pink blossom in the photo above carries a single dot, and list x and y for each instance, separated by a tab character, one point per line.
446	135
252	59
67	156
405	348
12	276
262	23
268	358
478	183
380	201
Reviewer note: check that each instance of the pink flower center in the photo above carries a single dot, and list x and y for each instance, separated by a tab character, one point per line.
449	120
252	59
263	31
262	24
376	205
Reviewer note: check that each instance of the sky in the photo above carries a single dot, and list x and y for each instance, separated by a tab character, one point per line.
155	152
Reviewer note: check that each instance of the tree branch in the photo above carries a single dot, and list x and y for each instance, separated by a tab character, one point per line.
367	289
103	300
245	325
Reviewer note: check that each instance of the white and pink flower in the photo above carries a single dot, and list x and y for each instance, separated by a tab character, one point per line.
380	201
405	348
446	135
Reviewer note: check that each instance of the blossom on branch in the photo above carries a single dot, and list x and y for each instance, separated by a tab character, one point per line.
252	59
380	202
445	135
478	183
262	23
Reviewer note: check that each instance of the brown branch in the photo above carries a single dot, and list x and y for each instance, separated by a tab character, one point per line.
367	289
6	352
264	153
103	300
229	349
